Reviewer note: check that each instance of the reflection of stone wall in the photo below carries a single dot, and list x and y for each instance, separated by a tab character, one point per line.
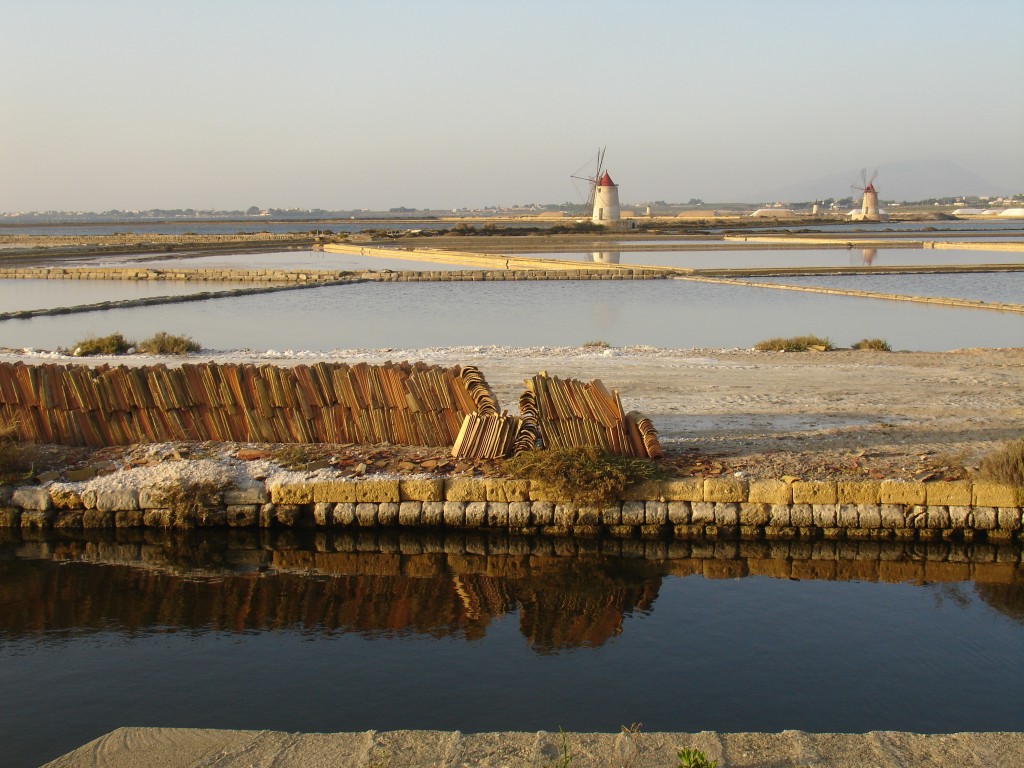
568	594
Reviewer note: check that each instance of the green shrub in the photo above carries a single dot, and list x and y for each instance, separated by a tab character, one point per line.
881	345
114	344
163	343
694	758
1005	465
795	344
587	475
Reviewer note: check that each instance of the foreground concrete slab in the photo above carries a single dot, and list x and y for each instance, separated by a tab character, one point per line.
173	747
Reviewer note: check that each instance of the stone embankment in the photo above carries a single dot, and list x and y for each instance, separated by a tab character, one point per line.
682	509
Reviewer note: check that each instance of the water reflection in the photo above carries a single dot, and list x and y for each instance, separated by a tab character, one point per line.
567	594
605	257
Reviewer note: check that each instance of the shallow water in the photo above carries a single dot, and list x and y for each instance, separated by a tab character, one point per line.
662	313
230	631
1005	287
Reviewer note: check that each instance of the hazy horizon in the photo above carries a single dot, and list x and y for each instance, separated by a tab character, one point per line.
118	105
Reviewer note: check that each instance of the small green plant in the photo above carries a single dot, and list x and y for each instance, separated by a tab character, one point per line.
587	475
1004	465
795	344
114	344
880	345
564	759
596	344
694	758
163	343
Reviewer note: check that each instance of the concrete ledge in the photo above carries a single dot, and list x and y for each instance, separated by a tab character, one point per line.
173	747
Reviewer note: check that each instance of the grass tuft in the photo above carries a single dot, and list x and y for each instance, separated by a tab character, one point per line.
880	345
795	344
596	344
163	343
586	475
114	344
1004	465
16	459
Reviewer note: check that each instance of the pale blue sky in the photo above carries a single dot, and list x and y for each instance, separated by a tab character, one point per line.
225	104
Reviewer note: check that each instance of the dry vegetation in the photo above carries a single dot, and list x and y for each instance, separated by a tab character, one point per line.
795	344
586	475
160	343
1005	465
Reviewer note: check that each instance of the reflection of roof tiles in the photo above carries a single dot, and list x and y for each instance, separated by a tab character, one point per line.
606	181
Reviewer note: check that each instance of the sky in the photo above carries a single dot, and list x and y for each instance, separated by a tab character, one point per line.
118	104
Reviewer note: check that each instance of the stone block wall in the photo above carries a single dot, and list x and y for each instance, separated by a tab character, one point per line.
680	509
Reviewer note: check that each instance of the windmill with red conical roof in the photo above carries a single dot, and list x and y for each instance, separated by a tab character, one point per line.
869	201
604	195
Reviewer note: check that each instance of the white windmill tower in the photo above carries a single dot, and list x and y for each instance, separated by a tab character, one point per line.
869	200
603	199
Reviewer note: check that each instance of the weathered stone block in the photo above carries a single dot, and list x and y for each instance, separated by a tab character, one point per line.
727	513
497	514
683	489
288	515
894	516
322	513
157	518
432	514
622	531
5	495
780	515
824	515
465	489
945	494
32	499
985	518
611	513
331	491
869	515
937	517
588	515
292	493
650	532
801	515
815	492
960	516
846	516
680	512
650	490
633	513
344	514
211	517
542	513
249	494
500	489
454	513
366	514
1008	518
917	516
409	512
725	489
68	518
996	495
476	514
128	518
565	514
421	489
377	491
66	498
858	491
242	515
519	514
655	513
96	518
753	514
770	492
387	513
112	501
902	492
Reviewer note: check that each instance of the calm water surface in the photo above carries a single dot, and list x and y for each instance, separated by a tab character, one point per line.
988	286
251	632
663	313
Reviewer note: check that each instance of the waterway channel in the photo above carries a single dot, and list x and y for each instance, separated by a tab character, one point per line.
478	633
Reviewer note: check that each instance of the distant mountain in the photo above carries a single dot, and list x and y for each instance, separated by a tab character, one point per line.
910	180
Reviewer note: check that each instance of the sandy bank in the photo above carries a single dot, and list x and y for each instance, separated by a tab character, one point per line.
171	747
